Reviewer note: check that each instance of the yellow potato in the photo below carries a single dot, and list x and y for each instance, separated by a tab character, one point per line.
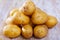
27	31
40	31
39	17
25	19
13	11
18	18
28	7
11	31
52	21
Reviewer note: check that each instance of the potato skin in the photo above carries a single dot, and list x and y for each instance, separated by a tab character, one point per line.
11	31
27	31
21	18
39	17
25	19
52	21
28	8
40	31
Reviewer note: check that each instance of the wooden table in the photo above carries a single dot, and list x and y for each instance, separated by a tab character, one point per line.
51	7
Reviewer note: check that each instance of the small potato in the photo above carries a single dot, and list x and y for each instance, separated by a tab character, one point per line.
39	17
11	31
52	21
25	19
21	18
13	11
40	31
27	31
28	8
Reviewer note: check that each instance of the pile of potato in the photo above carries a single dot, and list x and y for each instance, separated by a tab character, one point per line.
28	20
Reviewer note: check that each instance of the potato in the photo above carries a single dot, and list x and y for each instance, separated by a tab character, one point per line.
52	21
25	19
40	31
11	31
28	8
39	17
27	31
18	18
13	11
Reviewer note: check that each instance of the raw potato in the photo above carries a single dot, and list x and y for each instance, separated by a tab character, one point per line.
28	7
18	18
13	11
25	19
52	21
39	17
11	31
21	18
27	31
40	31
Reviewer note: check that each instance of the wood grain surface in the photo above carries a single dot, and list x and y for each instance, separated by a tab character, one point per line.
51	7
